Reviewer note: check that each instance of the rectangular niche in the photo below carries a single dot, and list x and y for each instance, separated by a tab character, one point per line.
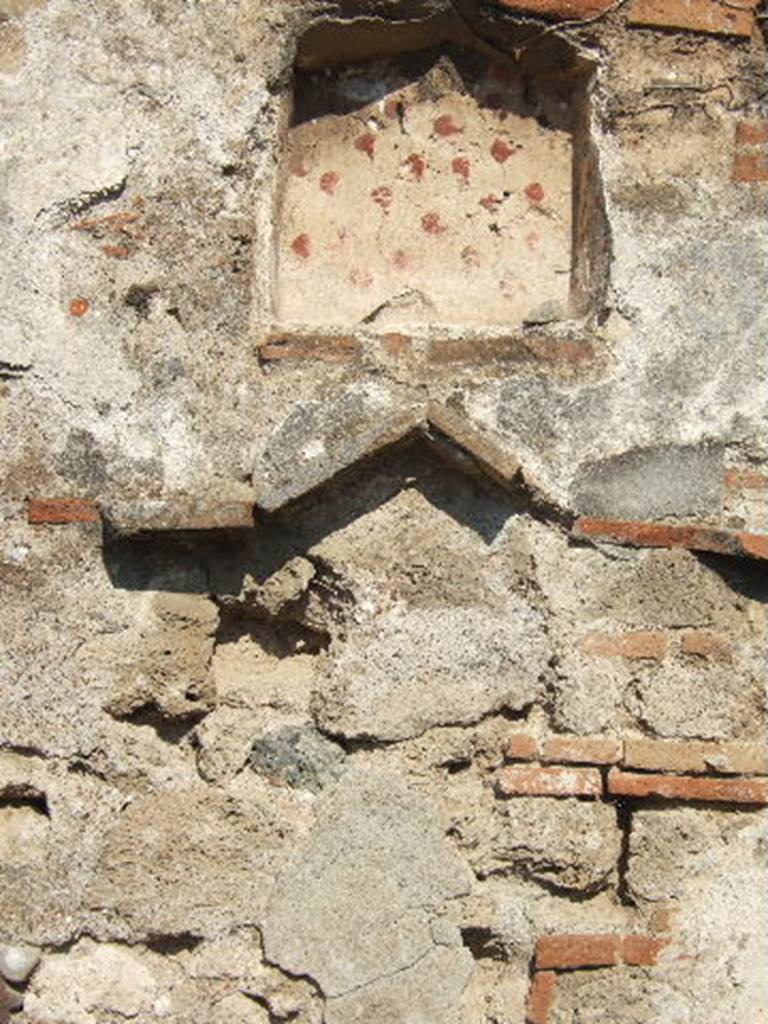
433	191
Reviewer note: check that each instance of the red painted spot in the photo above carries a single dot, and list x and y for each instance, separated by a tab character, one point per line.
417	165
490	203
382	196
460	166
501	151
532	240
470	256
301	246
444	125
534	191
329	181
361	278
402	259
366	144
432	224
79	307
297	168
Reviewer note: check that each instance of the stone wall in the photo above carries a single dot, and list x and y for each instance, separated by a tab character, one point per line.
384	396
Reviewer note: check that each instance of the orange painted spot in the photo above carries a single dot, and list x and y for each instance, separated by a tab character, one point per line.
417	165
534	191
460	166
445	126
365	143
432	224
79	307
501	151
118	252
301	246
329	181
382	196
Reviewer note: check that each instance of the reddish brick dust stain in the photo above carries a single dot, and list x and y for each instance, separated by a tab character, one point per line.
501	151
79	307
393	108
297	168
470	256
329	181
432	224
402	259
534	191
365	144
416	165
490	203
532	240
460	166
382	196
445	125
301	246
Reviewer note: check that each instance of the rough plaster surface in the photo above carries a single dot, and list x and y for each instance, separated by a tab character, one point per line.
248	776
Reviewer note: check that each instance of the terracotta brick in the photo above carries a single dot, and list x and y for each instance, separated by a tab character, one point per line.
688	787
300	348
535	781
541	997
561	952
703	643
746	479
696	756
751	133
709	16
663	535
582	750
641	950
636	645
520	746
561	9
750	167
57	511
397	346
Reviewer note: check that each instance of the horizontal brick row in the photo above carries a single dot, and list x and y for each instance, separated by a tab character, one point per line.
664	535
688	787
571	952
727	757
549	781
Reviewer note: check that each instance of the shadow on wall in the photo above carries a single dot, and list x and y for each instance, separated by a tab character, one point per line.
183	561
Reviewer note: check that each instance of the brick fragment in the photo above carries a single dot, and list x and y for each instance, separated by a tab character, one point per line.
750	167
299	348
640	644
566	952
582	750
566	352
750	133
520	746
702	643
729	19
688	787
59	511
541	997
560	9
550	781
682	756
663	535
641	950
746	479
397	346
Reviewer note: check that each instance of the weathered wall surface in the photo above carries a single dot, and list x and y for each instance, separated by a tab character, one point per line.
397	661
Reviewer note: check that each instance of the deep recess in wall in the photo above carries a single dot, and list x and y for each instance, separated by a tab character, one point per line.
444	188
